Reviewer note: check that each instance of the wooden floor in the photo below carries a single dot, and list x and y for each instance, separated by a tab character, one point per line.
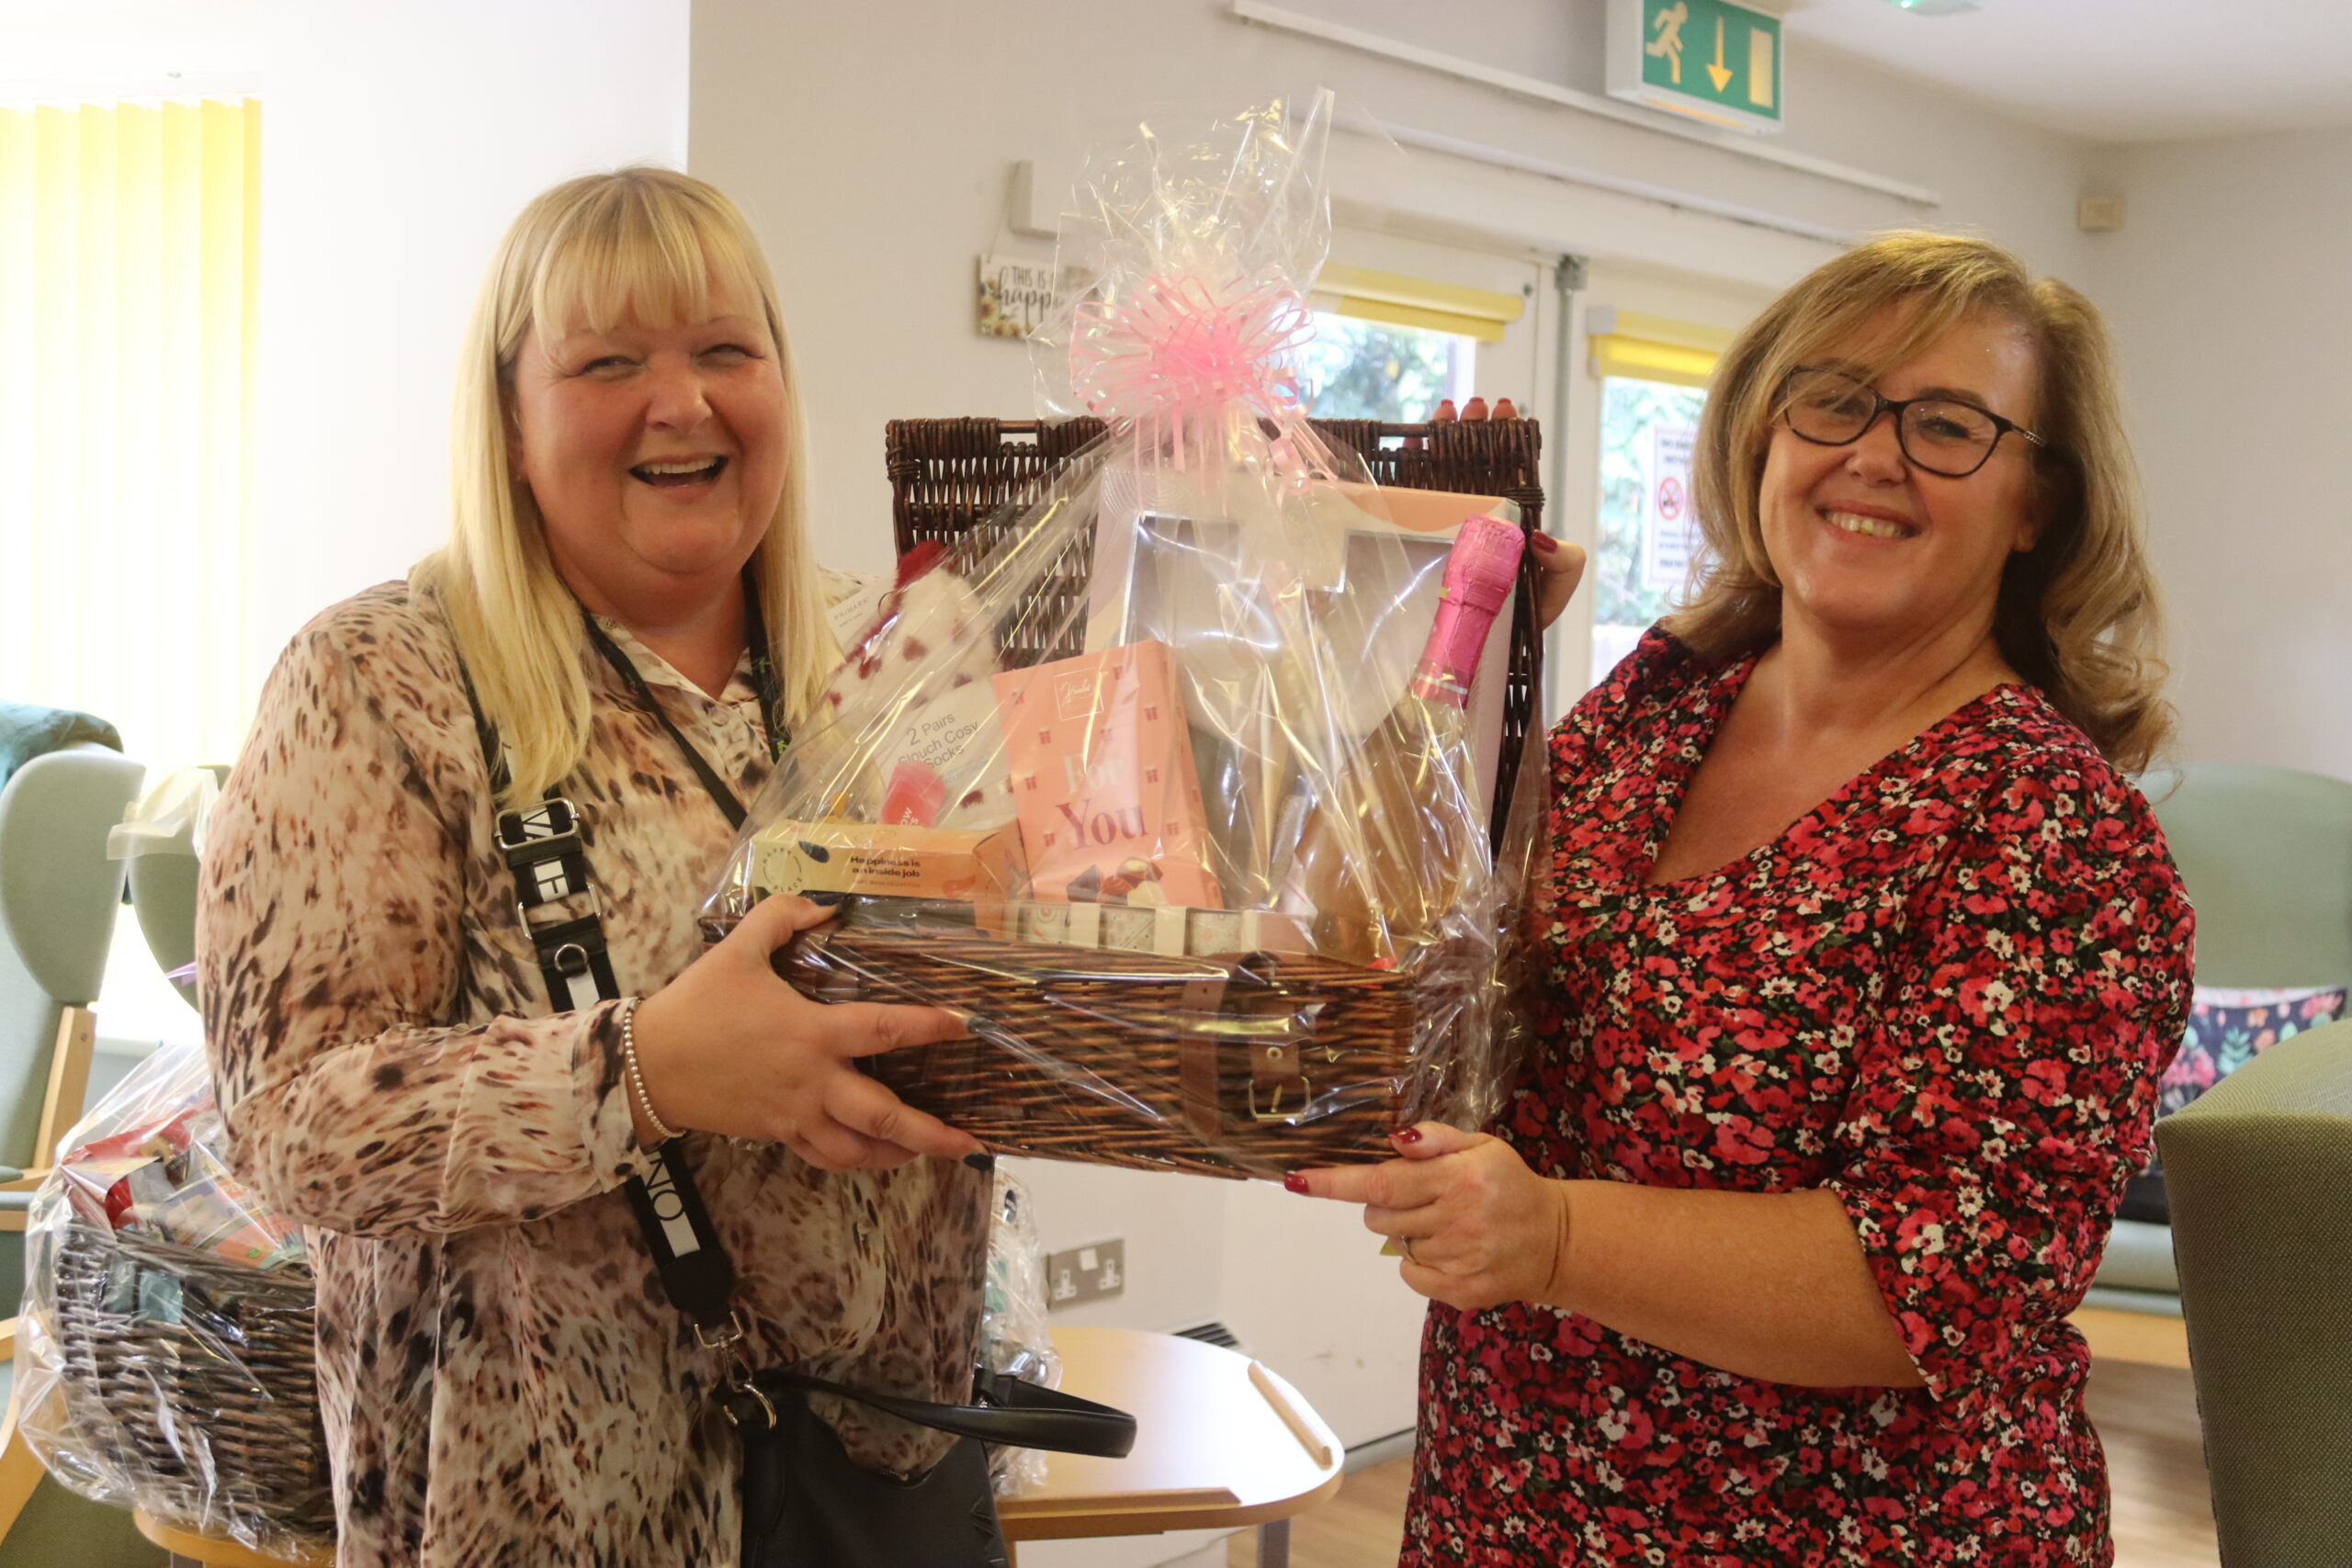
2146	1417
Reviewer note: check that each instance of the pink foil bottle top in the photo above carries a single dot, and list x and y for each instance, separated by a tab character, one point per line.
1480	572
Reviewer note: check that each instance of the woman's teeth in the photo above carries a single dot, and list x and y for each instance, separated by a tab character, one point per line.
1876	527
692	471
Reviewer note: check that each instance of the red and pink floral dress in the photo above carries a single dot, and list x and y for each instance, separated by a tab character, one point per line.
1945	993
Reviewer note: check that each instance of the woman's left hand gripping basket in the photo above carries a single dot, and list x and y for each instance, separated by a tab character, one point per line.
164	1358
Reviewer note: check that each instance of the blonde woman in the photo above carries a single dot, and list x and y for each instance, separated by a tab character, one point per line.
1859	958
629	592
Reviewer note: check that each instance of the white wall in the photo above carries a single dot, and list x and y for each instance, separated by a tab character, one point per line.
872	144
98	48
2227	290
398	142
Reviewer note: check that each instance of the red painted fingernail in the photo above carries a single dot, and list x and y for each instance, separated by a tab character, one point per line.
1544	544
1475	410
1294	1182
1406	1134
1503	408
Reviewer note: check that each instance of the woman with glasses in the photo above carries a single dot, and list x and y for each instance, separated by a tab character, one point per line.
1858	959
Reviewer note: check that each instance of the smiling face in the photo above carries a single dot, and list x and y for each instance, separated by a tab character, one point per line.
655	453
1872	550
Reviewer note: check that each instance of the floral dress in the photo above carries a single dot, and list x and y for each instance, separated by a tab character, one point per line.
501	1377
1945	993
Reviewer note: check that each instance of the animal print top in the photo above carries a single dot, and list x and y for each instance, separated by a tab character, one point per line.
502	1379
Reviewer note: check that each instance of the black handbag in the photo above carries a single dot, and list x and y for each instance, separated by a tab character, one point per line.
805	1503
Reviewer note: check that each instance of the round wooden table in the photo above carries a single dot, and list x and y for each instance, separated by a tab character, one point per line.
216	1551
1220	1442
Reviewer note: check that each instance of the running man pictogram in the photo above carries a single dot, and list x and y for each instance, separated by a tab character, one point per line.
1668	45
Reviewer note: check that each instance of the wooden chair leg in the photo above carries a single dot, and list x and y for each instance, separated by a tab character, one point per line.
19	1471
69	1079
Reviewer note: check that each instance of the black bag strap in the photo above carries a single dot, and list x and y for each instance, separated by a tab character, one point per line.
545	848
1010	1413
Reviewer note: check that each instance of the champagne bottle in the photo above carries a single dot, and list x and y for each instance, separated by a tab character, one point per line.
1384	857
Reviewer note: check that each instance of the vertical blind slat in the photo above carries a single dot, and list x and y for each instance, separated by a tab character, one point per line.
127	318
18	263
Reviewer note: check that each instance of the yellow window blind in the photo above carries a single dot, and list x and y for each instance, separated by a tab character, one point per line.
1652	348
1402	301
128	266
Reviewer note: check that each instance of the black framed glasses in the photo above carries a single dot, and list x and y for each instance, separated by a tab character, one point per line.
1942	435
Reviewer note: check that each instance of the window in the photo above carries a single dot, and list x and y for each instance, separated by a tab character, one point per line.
1647	533
129	234
1388	346
1653	372
1360	370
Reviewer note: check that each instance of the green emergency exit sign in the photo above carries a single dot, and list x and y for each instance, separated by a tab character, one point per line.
1713	59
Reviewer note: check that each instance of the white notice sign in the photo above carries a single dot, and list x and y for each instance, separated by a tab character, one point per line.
1669	524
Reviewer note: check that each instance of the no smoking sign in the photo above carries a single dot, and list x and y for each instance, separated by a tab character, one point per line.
1671	532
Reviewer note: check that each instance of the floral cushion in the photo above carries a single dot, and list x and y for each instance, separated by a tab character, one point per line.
2227	1028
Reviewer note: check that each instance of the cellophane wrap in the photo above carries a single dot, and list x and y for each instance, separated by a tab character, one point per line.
164	1356
1014	1338
1106	774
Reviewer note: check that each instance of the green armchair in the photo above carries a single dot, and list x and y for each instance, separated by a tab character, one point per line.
2259	1175
59	896
2266	856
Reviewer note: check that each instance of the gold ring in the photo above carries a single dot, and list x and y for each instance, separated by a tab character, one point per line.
1405	1245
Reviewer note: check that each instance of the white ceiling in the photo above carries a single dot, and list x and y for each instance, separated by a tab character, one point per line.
2114	70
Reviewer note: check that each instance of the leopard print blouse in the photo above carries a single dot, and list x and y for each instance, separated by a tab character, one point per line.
500	1378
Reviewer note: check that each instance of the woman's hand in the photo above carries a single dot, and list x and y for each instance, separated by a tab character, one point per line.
1560	565
1479	1227
728	1047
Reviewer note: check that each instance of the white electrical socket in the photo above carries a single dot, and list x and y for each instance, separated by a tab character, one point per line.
1085	1274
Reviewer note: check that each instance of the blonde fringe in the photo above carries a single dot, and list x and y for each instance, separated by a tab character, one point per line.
650	239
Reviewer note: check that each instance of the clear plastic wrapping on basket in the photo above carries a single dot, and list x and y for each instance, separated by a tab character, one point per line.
163	1355
1014	1338
1178	775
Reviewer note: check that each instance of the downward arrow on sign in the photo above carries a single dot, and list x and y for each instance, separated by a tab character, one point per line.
1719	73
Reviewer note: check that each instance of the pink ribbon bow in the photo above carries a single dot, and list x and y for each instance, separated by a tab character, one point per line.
1177	349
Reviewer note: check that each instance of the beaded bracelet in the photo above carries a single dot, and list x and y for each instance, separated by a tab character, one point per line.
636	1079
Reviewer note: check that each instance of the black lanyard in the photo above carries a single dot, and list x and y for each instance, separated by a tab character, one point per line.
763	677
545	848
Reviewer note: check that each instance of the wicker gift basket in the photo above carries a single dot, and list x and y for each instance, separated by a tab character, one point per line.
234	1373
1240	1064
165	1350
1186	755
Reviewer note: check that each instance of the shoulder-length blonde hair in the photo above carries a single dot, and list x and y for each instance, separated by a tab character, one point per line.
647	242
2078	614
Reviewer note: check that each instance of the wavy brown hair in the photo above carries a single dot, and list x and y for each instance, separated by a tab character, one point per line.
2078	614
